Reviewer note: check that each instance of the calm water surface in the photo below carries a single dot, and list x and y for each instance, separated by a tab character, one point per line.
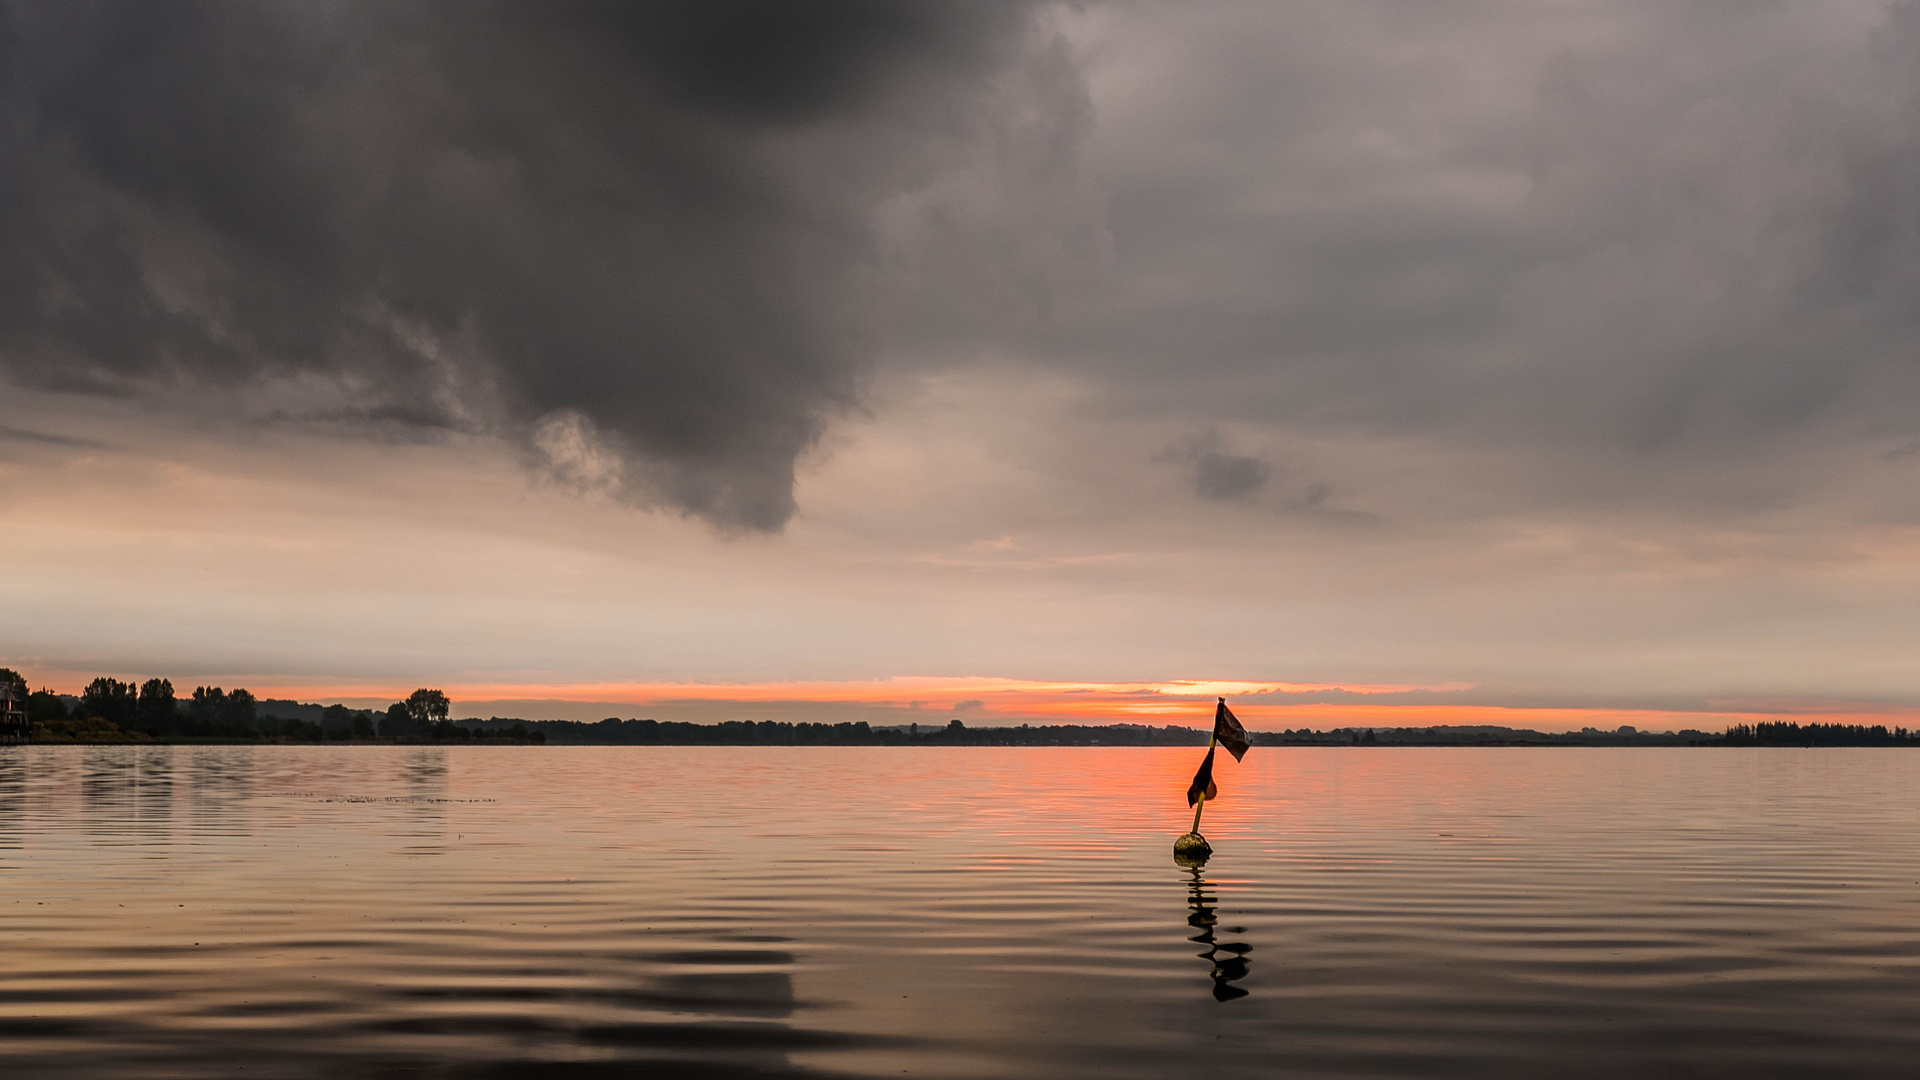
956	912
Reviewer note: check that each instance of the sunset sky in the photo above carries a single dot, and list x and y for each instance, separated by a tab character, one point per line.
1544	364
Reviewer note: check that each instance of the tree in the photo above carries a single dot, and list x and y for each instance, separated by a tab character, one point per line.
336	721
45	706
156	705
362	726
111	700
221	712
237	715
397	723
207	704
426	707
10	677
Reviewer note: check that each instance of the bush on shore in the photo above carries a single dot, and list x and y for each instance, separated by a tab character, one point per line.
90	729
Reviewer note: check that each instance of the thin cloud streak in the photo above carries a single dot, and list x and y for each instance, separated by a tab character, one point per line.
997	694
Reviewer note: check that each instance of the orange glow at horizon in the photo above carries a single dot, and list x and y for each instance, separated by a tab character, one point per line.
1000	700
991	695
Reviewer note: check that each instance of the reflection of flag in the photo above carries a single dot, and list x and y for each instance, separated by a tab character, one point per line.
1226	728
1203	782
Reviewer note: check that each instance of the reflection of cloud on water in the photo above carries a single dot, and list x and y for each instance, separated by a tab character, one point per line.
1229	958
699	1012
13	797
426	770
713	1006
425	773
728	991
126	793
220	789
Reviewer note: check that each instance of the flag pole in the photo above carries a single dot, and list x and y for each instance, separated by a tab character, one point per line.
1201	804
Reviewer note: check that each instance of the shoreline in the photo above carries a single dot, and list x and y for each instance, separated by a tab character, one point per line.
614	731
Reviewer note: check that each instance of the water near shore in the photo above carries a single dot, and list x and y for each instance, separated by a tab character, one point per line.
711	911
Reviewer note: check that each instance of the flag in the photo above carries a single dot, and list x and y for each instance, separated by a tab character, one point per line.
1226	728
1203	781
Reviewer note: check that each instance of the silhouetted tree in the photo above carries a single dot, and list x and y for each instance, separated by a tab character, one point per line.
427	707
111	700
336	721
237	715
398	723
226	713
45	706
362	726
10	677
206	706
156	706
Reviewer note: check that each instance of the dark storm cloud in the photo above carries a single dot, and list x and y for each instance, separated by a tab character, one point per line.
630	233
1631	248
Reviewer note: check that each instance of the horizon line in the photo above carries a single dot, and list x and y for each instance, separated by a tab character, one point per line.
991	701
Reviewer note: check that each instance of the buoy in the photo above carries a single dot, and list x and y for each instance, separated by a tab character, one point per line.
1192	850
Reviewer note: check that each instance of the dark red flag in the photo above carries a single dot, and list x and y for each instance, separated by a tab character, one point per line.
1203	781
1226	728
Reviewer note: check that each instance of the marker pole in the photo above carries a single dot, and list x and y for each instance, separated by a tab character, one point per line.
1201	804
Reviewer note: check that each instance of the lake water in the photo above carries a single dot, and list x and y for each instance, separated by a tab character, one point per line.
682	912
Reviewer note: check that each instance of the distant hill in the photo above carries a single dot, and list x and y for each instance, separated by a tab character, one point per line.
295	710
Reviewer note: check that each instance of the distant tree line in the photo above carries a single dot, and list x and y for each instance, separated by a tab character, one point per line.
615	731
110	710
1788	733
1482	735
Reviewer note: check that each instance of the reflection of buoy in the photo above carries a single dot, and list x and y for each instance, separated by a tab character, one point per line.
1192	850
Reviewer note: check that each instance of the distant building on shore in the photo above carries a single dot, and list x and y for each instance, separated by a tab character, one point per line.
13	716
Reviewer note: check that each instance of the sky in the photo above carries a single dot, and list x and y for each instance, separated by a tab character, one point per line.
1541	364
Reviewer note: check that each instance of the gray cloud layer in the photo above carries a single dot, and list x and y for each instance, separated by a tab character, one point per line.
1635	250
1639	251
635	235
